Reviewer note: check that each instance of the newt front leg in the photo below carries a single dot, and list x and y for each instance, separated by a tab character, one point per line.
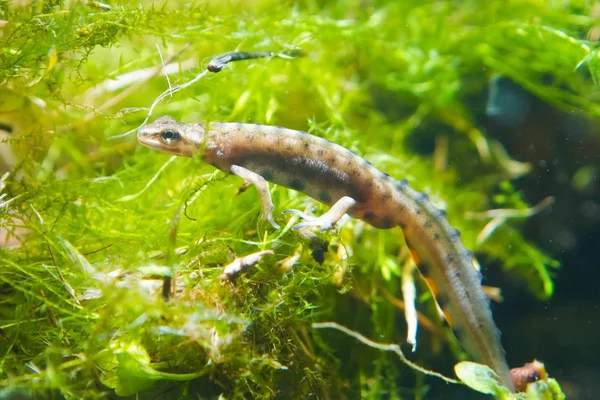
263	191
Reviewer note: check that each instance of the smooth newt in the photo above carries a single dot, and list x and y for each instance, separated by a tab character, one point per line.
338	177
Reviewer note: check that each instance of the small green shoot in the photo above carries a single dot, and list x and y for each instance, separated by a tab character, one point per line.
126	368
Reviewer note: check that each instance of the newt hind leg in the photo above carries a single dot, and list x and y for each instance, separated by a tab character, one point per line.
327	220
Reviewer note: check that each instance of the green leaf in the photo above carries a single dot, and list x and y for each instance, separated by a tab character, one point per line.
482	379
134	372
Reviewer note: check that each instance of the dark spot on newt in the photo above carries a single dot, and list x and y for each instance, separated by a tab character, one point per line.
297	184
268	175
385	196
280	162
387	223
225	135
436	236
440	213
455	274
401	184
454	233
421	198
324	197
369	216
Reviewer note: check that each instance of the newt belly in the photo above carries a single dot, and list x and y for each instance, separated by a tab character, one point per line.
336	176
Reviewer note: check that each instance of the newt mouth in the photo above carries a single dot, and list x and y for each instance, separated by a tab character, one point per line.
148	138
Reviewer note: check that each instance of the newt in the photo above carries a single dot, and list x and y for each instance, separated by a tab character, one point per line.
338	177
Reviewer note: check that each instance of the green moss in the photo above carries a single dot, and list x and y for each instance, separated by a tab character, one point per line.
80	311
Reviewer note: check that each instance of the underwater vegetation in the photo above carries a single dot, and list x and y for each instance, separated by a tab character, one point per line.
115	259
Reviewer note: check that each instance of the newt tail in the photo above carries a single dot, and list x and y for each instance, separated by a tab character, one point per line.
338	177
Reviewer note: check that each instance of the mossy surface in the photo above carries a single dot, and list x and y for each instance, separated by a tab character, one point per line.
91	225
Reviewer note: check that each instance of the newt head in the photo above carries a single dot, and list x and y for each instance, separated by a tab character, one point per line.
172	137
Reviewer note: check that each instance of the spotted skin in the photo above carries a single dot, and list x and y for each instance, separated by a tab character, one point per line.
327	172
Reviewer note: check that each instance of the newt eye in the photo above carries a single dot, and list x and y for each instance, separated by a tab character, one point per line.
169	136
